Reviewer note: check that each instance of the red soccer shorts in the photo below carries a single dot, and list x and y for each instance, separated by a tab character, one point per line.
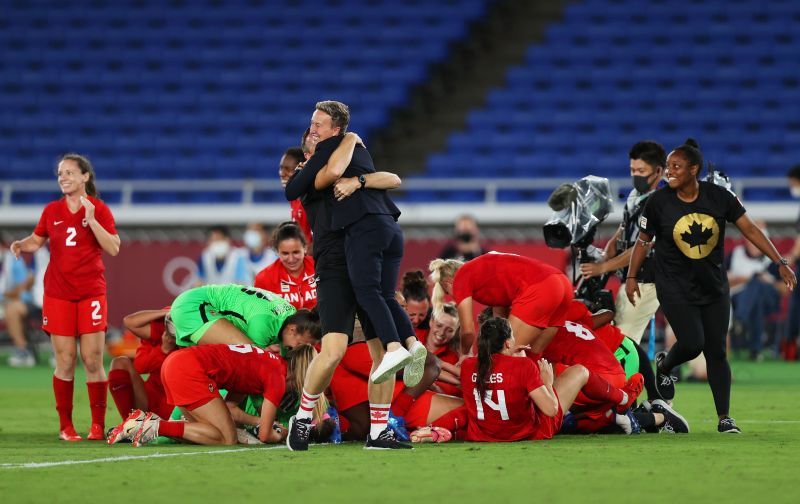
348	389
417	414
73	318
544	304
545	427
186	382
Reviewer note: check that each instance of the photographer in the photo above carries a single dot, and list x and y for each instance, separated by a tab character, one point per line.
648	159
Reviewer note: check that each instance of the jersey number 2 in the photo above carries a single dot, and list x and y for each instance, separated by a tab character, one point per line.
71	233
500	405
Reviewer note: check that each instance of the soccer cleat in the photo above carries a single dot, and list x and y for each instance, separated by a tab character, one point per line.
148	430
633	387
127	428
398	425
299	429
69	434
412	373
665	382
674	423
22	358
96	433
392	362
728	426
246	438
431	434
627	423
386	441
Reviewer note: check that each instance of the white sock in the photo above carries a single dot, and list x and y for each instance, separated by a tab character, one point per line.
624	398
307	403
379	417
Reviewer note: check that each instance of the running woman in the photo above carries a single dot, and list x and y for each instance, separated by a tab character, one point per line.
80	228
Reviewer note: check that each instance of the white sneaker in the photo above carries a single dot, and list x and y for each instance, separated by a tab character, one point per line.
413	372
21	358
392	362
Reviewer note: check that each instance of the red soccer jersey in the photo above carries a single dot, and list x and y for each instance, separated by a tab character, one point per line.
495	279
301	218
444	353
300	292
244	369
576	344
76	269
149	357
507	412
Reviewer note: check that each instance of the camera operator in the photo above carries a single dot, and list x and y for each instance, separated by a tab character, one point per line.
648	160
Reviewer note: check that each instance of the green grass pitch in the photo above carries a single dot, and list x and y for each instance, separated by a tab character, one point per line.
762	465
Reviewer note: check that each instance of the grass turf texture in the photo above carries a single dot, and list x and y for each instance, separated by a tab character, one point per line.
759	466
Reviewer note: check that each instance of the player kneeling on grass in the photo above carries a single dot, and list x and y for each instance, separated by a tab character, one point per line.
509	397
192	378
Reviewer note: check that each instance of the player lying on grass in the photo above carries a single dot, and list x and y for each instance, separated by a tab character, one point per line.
434	416
127	386
192	378
508	396
234	314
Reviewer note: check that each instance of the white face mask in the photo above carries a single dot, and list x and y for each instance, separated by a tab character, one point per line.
252	239
795	190
219	249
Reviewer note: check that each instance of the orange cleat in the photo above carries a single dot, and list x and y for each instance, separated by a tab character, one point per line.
69	434
633	388
96	433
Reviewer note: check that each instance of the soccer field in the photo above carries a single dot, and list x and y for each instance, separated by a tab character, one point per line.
759	466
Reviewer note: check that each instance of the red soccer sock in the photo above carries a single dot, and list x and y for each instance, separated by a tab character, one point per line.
401	405
600	390
121	389
171	429
589	425
63	390
452	420
98	400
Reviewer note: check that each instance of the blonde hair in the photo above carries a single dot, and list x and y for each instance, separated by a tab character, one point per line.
441	269
451	310
299	359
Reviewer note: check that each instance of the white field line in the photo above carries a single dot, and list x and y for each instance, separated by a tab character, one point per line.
40	465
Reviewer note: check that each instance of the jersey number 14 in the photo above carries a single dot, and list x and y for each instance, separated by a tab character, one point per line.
500	405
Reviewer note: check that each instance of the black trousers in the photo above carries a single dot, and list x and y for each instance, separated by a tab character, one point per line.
702	328
374	250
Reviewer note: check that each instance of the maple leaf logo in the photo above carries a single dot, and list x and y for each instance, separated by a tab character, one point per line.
697	235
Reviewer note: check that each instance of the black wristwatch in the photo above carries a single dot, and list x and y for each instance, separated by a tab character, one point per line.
784	261
362	180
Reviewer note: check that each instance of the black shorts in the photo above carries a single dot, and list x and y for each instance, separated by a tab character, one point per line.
337	306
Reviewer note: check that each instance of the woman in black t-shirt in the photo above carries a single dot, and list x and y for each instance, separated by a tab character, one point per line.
688	221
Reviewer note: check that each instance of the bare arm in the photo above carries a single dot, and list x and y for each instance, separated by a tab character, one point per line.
545	397
640	250
757	238
139	323
344	187
338	162
240	417
108	242
467	319
30	243
266	434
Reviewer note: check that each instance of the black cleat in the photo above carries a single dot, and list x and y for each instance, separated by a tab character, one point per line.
728	426
665	382
299	429
386	441
674	423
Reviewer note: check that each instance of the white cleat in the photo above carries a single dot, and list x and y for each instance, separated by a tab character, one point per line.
392	362
128	427
148	430
412	373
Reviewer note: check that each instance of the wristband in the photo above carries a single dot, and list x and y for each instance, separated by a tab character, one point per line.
631	278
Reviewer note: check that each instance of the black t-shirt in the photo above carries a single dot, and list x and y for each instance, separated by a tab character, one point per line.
690	243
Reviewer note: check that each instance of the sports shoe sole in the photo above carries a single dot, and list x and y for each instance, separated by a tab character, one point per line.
663	404
412	373
389	372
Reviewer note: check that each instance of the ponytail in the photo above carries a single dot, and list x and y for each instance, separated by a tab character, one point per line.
441	269
86	167
299	360
493	334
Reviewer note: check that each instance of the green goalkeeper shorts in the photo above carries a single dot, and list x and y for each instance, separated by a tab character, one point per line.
628	357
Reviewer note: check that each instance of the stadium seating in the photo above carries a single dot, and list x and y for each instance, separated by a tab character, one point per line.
204	89
613	72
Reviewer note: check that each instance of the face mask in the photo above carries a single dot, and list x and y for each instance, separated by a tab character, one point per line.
795	190
641	183
219	249
465	237
252	239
